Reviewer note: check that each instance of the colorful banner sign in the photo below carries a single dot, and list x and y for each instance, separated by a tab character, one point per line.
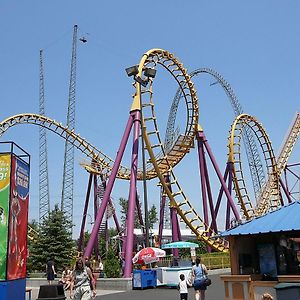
5	161
18	216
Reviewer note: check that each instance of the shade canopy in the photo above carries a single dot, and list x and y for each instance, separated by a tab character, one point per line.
148	255
179	244
284	219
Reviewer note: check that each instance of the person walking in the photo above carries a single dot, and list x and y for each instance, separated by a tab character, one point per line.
199	274
101	269
50	270
82	278
183	287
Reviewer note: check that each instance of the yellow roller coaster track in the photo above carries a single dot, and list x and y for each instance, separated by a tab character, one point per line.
32	234
289	143
282	159
271	199
164	162
101	163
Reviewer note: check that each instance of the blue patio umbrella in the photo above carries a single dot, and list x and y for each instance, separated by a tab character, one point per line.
180	244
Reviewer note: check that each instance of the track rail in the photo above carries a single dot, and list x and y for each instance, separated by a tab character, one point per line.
284	154
32	234
254	161
158	153
289	143
272	199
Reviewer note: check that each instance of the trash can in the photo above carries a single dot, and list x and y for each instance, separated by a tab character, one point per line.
287	290
51	292
144	278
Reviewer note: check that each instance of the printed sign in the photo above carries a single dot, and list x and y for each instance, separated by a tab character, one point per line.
17	244
5	162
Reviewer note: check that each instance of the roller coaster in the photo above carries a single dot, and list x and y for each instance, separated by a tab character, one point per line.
163	156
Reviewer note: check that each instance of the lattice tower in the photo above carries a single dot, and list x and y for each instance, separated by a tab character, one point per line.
44	196
68	173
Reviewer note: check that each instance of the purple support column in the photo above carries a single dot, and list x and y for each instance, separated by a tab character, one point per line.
286	192
161	216
175	234
210	199
215	165
230	166
132	196
81	237
174	221
109	187
96	207
202	179
218	203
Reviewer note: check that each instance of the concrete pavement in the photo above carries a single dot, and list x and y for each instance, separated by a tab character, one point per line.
35	293
214	291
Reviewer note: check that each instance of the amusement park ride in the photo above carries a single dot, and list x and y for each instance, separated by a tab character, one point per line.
162	156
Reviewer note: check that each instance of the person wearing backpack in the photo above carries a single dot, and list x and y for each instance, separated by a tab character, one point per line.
199	274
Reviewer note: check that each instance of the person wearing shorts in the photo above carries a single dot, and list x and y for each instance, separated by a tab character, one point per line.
199	272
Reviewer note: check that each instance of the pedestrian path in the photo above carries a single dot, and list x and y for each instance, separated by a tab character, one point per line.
35	293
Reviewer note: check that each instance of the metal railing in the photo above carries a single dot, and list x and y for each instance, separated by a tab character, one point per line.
211	261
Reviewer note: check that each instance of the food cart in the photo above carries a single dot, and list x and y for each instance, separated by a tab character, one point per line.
169	276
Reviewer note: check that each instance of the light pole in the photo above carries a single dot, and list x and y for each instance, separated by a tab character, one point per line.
149	73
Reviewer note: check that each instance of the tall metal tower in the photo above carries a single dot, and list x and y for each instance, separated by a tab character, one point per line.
44	198
68	173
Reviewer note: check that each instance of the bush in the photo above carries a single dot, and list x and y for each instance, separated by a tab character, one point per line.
111	265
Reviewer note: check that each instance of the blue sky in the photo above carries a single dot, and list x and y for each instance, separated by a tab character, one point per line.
253	44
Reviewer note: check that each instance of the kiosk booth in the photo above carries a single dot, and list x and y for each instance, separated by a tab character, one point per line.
264	254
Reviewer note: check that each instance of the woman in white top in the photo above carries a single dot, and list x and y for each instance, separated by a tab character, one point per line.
81	278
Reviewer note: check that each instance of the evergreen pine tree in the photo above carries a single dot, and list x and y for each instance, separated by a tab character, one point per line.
54	241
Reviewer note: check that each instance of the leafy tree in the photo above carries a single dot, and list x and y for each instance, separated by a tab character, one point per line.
112	265
124	212
54	241
152	214
186	252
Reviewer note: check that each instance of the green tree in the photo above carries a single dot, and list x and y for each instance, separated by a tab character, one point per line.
31	240
53	241
111	264
152	214
186	252
124	212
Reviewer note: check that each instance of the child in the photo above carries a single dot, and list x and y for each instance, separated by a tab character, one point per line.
183	287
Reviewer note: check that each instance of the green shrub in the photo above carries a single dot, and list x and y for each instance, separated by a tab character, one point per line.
111	265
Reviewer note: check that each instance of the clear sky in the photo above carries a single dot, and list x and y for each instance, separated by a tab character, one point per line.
253	44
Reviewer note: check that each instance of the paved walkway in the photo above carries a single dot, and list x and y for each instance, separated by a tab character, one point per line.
214	292
35	293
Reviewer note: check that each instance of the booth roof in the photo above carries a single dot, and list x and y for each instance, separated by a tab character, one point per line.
286	218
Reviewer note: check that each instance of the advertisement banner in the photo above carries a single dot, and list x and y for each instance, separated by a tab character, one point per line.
5	161
18	216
